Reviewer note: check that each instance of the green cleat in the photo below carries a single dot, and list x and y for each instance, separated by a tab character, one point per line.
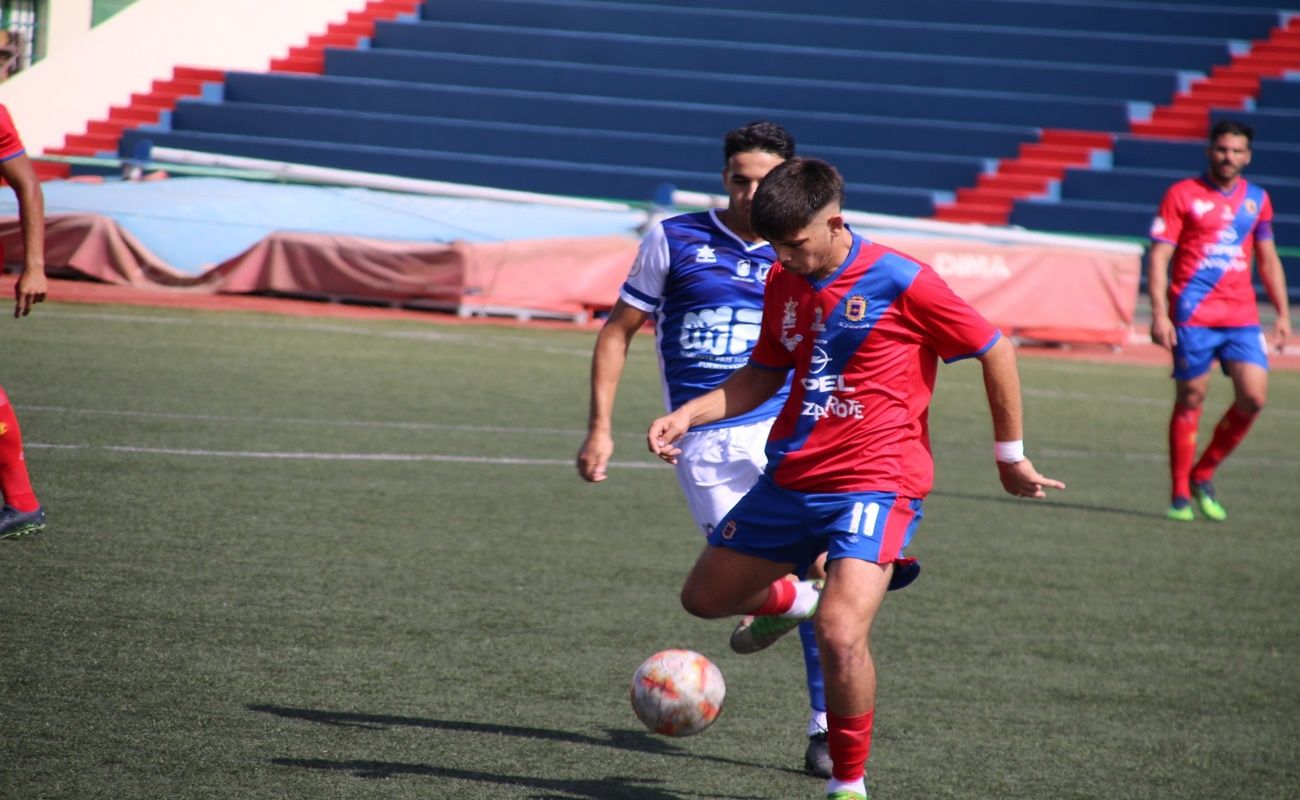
846	794
1203	493
758	633
1180	510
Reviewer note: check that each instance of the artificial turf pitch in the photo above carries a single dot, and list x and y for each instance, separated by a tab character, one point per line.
296	558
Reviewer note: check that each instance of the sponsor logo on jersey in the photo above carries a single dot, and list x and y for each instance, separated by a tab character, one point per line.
819	360
725	331
817	324
1158	226
705	255
1202	207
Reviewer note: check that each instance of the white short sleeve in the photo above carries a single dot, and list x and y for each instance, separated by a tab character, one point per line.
644	288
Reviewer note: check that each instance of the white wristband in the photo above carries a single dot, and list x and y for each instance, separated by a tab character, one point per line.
1009	452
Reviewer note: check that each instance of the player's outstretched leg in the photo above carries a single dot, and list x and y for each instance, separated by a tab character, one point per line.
788	603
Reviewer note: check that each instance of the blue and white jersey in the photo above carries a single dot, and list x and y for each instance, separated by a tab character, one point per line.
704	285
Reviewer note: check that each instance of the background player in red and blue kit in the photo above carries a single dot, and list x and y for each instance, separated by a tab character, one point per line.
861	327
1210	226
701	276
21	512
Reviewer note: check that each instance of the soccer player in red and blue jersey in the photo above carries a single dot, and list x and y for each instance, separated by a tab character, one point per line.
1209	227
862	328
21	513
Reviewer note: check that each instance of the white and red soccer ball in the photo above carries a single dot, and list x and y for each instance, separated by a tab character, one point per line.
677	692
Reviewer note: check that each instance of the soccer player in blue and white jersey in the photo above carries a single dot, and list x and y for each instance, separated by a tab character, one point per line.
701	276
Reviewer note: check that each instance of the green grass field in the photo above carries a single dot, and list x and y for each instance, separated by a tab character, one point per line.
294	558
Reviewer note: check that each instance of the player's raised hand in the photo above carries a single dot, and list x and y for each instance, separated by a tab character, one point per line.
594	455
664	432
1022	480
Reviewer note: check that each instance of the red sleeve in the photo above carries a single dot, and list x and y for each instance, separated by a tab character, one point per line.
948	324
1168	224
768	351
10	145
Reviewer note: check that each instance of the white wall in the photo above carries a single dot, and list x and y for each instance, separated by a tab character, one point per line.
80	80
68	21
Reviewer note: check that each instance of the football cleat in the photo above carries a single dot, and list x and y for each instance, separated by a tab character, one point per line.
1180	510
15	523
1203	494
847	794
817	758
759	633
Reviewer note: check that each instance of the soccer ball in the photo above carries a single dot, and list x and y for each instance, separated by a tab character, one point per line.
677	692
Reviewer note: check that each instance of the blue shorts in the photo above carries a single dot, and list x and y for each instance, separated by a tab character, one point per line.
795	527
1198	347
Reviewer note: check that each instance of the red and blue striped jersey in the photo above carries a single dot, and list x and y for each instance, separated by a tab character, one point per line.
864	345
1214	234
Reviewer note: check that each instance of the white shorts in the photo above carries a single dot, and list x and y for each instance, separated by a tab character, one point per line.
718	465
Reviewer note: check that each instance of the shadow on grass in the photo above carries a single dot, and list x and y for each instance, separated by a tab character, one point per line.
1053	501
555	789
630	740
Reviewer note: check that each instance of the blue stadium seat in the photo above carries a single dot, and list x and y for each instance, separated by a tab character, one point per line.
773	94
1067	44
576	178
1204	18
811	129
778	60
657	151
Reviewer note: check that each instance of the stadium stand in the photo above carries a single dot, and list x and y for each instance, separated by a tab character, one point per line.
1062	115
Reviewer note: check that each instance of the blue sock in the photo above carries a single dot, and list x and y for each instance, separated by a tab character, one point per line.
812	663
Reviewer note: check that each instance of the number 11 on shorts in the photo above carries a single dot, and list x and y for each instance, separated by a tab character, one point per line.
864	519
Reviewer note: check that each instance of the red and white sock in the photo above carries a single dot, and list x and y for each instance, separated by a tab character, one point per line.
788	598
14	483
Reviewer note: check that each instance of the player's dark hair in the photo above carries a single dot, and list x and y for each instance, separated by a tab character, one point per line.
761	135
1234	127
792	194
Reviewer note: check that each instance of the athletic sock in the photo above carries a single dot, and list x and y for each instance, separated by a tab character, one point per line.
1227	435
1182	447
849	740
14	482
812	668
780	596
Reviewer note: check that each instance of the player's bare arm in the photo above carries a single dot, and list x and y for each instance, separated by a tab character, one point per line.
1162	327
607	362
32	285
744	391
1273	277
1002	386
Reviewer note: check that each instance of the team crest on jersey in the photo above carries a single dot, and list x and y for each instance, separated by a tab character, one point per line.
705	255
729	530
855	309
1251	206
742	268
